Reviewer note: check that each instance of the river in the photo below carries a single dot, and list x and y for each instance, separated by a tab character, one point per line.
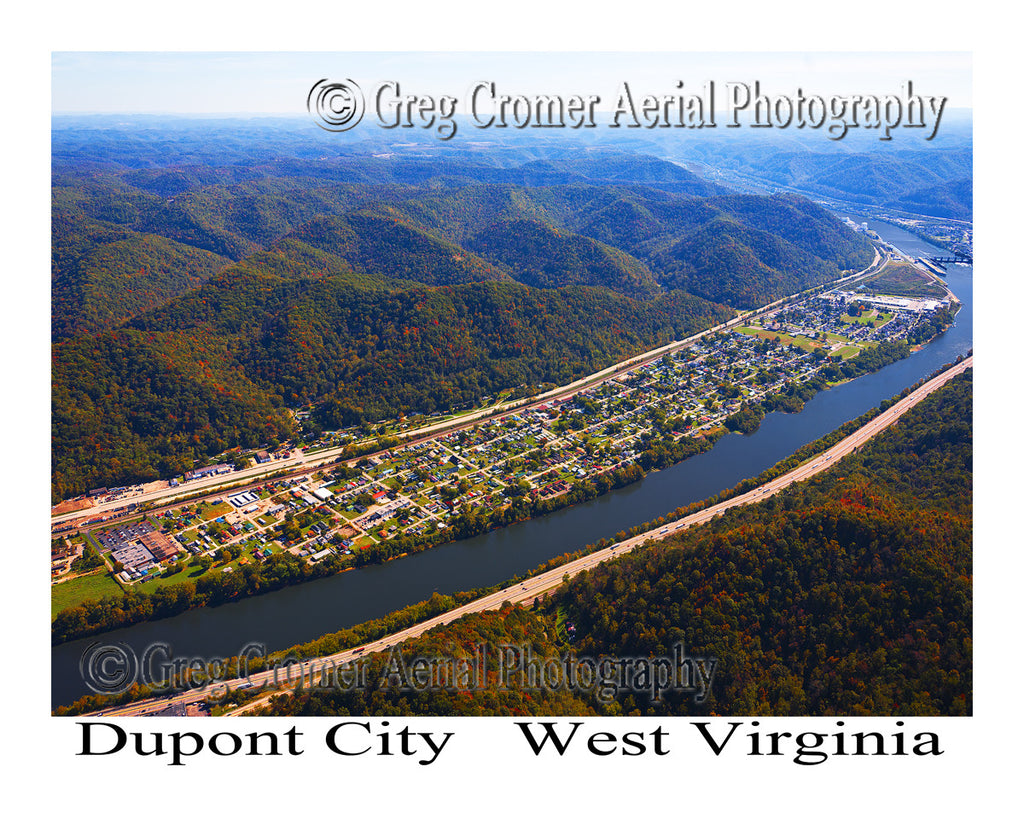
301	613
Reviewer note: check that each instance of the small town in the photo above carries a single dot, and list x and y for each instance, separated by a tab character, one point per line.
540	452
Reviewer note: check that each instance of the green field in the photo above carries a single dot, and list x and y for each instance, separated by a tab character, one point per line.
871	317
215	511
904	280
785	339
189	535
88	587
188	573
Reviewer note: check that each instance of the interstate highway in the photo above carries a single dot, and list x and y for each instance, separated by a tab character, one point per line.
538	586
306	463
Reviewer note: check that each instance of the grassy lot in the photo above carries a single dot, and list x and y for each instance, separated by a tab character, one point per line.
88	587
215	511
190	572
805	344
560	624
905	280
785	339
189	535
872	318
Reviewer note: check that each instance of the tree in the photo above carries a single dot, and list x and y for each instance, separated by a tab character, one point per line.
290	529
518	489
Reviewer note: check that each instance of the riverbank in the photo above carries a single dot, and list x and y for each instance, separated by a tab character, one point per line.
302	613
285	569
387	631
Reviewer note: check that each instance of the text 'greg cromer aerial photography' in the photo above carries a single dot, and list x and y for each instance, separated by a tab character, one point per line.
580	386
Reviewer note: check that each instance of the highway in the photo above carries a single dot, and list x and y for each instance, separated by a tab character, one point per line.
540	585
305	463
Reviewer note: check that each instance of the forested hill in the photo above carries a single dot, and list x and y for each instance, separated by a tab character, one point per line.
920	176
847	595
915	178
379	243
212	370
194	304
103	275
130	238
543	256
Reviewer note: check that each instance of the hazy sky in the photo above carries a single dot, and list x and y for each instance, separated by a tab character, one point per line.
278	82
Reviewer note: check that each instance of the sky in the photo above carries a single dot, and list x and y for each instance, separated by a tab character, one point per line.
198	56
198	82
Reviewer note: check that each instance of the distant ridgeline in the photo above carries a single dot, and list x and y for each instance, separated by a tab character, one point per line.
847	595
194	303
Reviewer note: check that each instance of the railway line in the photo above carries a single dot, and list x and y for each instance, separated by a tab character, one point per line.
308	672
253	477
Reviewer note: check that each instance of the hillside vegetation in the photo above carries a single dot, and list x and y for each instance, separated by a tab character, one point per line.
847	595
195	305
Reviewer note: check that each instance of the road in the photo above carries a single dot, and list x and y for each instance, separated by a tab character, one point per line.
306	463
540	585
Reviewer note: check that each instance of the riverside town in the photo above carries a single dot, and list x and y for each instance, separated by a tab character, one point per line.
498	425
